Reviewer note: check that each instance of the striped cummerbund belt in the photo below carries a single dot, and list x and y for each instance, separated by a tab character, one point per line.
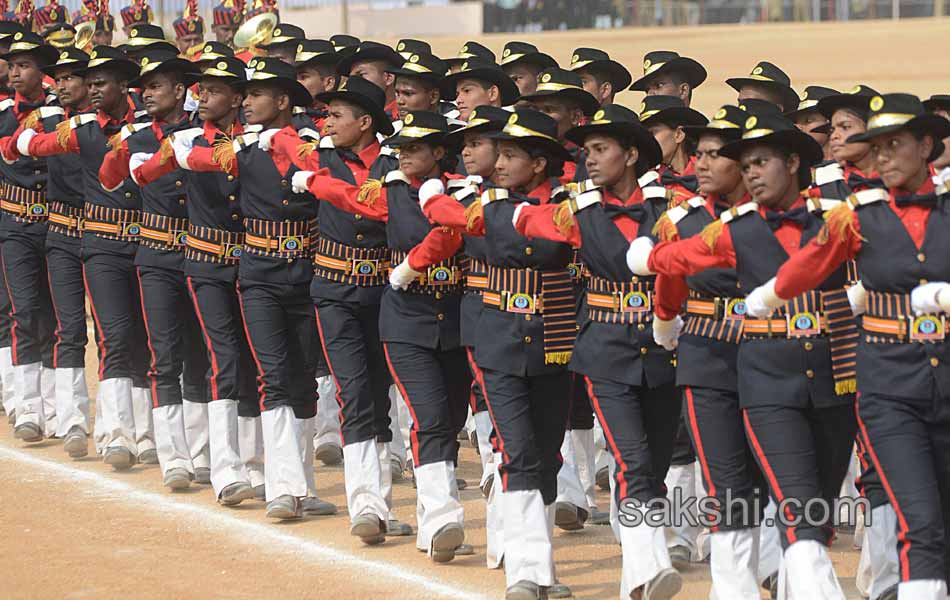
444	276
23	204
161	232
65	219
620	302
338	262
714	317
476	275
210	245
279	239
113	223
890	320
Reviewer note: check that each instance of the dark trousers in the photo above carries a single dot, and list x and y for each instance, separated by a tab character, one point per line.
476	397
232	375
582	413
6	321
639	425
435	385
350	336
529	414
112	287
179	361
24	269
280	330
64	267
804	454
728	465
869	480
908	441
683	453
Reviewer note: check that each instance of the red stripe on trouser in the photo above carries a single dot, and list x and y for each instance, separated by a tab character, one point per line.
6	282
260	370
414	432
501	442
95	318
148	337
902	532
700	452
59	325
622	466
336	383
215	370
770	474
472	401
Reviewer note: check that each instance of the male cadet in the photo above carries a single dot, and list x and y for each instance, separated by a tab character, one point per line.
97	11
345	45
669	74
189	29
178	359
24	224
65	196
225	20
417	84
602	77
479	83
372	61
109	242
809	119
523	62
316	70
283	44
469	50
406	47
136	13
766	82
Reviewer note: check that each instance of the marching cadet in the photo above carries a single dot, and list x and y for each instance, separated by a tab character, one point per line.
212	51
802	429
667	73
144	37
665	117
766	82
273	275
96	11
602	77
137	13
524	340
63	259
902	351
109	242
629	378
225	20
284	41
479	83
373	61
189	29
213	247
406	47
707	352
809	119
419	322
178	357
417	84
467	51
524	63
24	223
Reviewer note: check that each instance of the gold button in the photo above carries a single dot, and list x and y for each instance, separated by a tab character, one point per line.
738	285
283	183
810	374
923	282
527	339
285	202
128	194
438	295
643	351
359	237
440	317
37	171
178	183
934	361
232	198
921	257
527	317
529	251
181	201
358	217
230	177
640	327
635	279
235	217
809	346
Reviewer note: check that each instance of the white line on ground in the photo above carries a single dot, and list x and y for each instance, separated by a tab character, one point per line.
261	537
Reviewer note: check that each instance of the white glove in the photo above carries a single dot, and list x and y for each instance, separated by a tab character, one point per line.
182	143
137	160
514	217
429	189
402	275
930	297
762	301
299	181
858	298
667	333
264	139
23	142
941	180
639	254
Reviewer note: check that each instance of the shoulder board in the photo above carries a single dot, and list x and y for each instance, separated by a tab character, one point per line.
648	178
244	141
50	111
562	191
51	97
7	104
738	211
464	192
586	186
132	128
396	176
387	151
829	174
326	142
452	115
821	205
679	212
380	137
397	126
83	119
140	114
308	133
455	184
866	197
253	129
655	192
494	194
299	109
588	198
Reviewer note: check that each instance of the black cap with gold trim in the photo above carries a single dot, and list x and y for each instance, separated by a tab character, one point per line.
726	123
661	62
480	70
560	83
214	51
420	126
160	60
809	100
114	60
533	127
483	119
768	75
9	28
523	52
407	47
470	50
344	44
622	123
669	110
146	36
365	94
284	33
315	52
27	42
937	102
757	106
856	100
892	112
368	51
270	71
229	69
71	58
599	61
775	130
426	67
60	35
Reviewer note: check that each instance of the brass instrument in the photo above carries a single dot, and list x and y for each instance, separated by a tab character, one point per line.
85	31
256	31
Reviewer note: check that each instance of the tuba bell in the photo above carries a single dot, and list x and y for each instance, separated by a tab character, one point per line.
256	31
85	31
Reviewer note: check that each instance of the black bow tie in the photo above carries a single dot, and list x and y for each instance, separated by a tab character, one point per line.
925	200
857	181
634	211
690	182
798	215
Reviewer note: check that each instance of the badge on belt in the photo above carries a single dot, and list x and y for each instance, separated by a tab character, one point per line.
290	243
37	209
803	324
521	303
131	229
439	275
180	238
928	328
635	302
365	267
735	310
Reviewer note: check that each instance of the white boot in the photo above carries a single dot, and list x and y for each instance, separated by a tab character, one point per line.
328	414
881	542
922	589
644	551
305	445
115	395
770	545
142	415
809	574
734	558
171	442
529	551
683	479
6	379
226	464
385	477
283	468
397	447
48	390
196	432
483	428
251	447
72	400
495	521
569	487
582	441
29	395
361	472
437	501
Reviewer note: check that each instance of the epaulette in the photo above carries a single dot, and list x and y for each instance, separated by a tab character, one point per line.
562	192
648	178
83	119
308	133
245	141
494	194
588	198
656	192
7	104
253	128
869	196
387	151
140	114
464	192
679	212
299	109
50	111
821	205
461	182
828	174
394	176
326	142
738	211
132	128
